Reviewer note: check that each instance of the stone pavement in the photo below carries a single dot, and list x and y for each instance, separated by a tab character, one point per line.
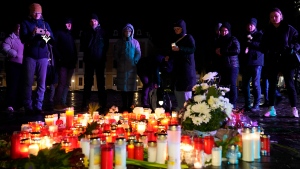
284	129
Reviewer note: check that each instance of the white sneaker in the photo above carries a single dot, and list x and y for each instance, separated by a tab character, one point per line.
10	109
295	112
271	112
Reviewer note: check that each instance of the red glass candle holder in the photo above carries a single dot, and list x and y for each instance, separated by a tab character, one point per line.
209	143
139	151
106	156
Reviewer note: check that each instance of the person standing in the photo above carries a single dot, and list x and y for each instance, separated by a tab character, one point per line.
252	61
228	49
13	49
279	41
66	54
37	36
94	44
127	53
184	70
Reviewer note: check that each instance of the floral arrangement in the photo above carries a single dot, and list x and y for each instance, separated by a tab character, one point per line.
208	109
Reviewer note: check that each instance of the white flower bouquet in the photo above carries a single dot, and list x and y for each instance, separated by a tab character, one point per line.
208	109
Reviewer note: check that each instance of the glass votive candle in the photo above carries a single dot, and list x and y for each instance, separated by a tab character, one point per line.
49	120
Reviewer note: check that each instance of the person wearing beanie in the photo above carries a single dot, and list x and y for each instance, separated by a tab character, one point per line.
181	52
94	44
37	36
279	42
228	49
252	61
66	56
127	53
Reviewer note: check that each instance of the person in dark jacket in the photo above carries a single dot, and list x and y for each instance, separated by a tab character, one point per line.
279	41
252	61
36	35
182	54
228	49
66	54
94	44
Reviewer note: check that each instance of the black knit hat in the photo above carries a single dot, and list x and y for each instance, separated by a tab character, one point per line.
94	16
68	20
226	25
253	21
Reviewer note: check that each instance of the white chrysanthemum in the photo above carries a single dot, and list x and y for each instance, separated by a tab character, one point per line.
199	98
213	102
201	108
197	120
204	86
206	117
187	113
226	89
210	76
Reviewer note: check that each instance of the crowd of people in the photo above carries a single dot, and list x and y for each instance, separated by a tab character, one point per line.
258	55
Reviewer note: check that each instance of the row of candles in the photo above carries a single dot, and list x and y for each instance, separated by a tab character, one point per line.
136	130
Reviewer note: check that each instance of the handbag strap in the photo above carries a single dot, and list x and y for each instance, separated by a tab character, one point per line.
180	38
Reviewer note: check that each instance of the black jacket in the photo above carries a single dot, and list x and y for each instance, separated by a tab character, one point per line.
94	44
229	49
255	56
65	49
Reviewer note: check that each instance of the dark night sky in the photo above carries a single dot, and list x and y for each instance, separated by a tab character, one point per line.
155	17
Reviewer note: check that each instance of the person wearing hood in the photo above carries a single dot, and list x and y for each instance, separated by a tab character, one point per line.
182	49
94	44
37	37
252	61
279	41
228	49
127	53
66	56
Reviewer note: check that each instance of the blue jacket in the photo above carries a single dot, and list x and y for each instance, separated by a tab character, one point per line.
34	45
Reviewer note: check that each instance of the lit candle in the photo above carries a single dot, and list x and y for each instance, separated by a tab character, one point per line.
247	144
256	138
53	129
197	165
141	127
69	117
130	149
33	149
49	120
107	156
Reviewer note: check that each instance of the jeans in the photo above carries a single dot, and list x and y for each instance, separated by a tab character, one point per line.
64	80
33	67
254	73
229	76
288	75
181	97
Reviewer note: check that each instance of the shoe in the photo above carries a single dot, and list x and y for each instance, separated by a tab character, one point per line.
255	108
10	109
60	107
295	112
271	112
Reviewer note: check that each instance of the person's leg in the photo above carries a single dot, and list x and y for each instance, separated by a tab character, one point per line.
28	74
272	79
233	94
289	81
180	97
88	82
70	73
13	75
256	86
41	72
102	95
145	90
62	78
246	88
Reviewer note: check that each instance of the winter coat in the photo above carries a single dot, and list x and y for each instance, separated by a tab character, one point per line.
13	48
255	56
184	69
127	53
34	45
229	49
278	43
94	44
65	49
